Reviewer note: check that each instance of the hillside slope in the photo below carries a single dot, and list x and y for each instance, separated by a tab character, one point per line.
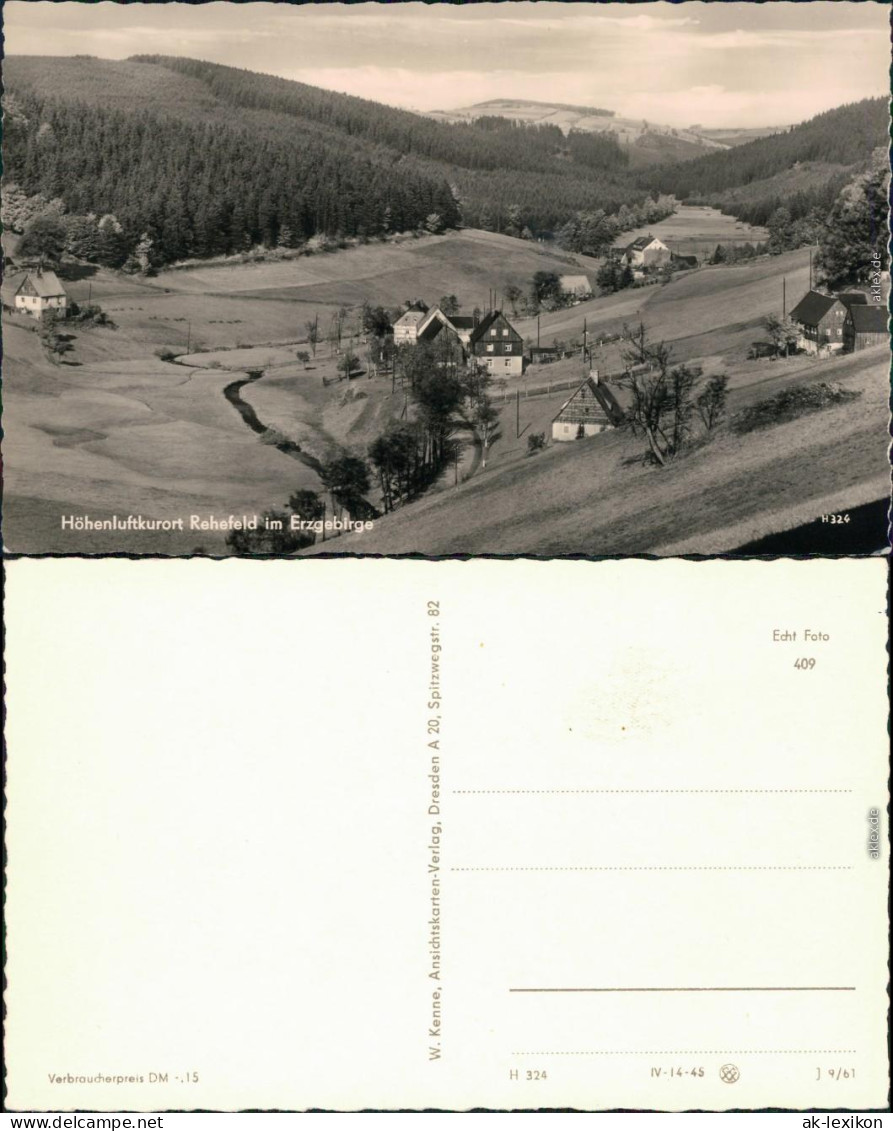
822	151
218	307
199	153
595	497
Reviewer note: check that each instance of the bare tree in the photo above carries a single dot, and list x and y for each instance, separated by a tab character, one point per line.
711	403
312	328
486	424
661	396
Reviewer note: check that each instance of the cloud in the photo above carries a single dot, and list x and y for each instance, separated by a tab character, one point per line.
667	62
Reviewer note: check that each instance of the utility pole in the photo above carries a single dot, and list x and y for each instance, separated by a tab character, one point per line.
537	331
784	298
517	413
810	268
188	337
585	341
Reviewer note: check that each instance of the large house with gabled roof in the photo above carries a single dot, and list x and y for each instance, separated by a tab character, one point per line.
406	328
645	253
820	319
497	345
461	324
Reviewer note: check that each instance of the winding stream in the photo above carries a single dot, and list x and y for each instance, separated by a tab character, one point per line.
233	393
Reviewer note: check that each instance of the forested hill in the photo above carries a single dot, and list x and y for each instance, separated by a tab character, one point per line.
801	168
196	159
210	159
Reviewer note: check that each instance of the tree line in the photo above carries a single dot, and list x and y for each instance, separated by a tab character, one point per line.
205	189
268	161
821	149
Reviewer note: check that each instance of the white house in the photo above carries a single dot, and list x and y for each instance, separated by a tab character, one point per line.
588	411
40	292
406	328
646	251
577	286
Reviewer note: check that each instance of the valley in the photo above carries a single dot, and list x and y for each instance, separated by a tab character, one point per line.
113	429
236	251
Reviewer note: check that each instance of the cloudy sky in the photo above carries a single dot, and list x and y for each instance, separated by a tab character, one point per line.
720	64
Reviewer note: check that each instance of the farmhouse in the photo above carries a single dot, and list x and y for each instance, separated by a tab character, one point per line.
40	292
496	344
447	337
590	410
864	326
576	286
460	324
820	318
645	253
406	328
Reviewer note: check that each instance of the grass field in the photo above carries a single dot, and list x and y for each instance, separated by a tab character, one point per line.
139	437
696	230
713	310
255	303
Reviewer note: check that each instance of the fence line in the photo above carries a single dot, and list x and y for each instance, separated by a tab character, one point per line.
545	390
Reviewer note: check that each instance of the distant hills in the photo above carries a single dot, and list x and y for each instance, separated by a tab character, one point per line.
189	149
208	160
801	168
646	142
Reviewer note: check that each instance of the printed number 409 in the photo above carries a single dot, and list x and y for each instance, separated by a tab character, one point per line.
804	663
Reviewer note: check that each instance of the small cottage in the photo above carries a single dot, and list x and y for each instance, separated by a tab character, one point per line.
576	286
544	355
592	409
864	326
40	292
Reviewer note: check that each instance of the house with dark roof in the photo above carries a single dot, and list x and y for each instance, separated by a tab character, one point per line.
820	318
865	325
450	346
461	324
39	292
591	409
497	345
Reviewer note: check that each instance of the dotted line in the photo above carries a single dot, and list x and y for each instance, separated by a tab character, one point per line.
697	1052
666	868
652	791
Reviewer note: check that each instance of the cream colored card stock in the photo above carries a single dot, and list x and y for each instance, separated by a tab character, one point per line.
405	834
